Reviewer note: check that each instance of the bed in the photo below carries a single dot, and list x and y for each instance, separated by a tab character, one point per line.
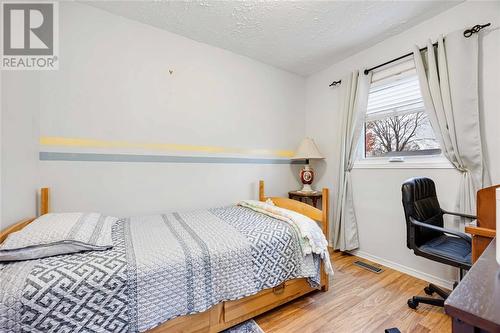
200	271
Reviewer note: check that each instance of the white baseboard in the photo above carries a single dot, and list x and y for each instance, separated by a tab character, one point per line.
405	269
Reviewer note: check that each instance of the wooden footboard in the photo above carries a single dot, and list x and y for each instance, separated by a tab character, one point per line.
229	313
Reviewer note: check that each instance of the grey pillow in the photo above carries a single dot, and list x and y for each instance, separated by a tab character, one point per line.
55	234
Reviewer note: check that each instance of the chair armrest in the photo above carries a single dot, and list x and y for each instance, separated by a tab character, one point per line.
436	228
478	231
472	217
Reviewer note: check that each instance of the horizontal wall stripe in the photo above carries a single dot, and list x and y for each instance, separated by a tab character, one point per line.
95	157
92	143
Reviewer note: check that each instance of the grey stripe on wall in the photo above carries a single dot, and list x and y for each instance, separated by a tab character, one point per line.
94	157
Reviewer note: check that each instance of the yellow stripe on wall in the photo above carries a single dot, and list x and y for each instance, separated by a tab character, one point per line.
92	143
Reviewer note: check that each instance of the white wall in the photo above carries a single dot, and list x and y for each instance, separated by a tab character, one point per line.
113	83
19	135
377	191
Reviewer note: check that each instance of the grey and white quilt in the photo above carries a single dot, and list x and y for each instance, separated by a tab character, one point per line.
160	267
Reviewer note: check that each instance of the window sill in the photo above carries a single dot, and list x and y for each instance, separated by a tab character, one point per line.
408	163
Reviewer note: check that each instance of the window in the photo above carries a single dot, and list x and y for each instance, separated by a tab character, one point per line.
396	124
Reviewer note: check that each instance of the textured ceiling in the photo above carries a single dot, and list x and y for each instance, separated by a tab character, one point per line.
299	36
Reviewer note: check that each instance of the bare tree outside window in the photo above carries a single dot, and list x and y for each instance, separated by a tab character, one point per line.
393	136
396	123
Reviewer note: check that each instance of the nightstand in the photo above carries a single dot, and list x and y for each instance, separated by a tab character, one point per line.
303	196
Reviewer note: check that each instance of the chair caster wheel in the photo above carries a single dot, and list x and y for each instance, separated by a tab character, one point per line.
412	303
428	291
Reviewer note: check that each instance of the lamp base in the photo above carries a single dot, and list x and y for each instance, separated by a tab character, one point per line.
306	177
306	188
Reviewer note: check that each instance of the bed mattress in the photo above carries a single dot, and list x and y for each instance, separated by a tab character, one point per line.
160	267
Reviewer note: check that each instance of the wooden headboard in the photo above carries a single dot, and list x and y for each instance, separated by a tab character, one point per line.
316	214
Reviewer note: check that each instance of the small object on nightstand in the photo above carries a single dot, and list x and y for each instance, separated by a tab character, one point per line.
303	196
307	151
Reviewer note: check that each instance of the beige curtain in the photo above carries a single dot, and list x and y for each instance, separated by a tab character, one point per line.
355	99
448	76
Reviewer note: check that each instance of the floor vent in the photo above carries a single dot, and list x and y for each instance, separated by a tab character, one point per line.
369	267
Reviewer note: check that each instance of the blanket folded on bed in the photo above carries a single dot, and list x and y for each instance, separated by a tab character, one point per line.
312	239
56	234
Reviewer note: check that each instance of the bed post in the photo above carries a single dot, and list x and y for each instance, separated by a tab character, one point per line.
44	201
325	228
325	210
262	197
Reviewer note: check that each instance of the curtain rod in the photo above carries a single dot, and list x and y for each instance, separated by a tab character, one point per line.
467	34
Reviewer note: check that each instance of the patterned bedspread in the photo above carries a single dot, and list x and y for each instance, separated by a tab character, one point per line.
160	267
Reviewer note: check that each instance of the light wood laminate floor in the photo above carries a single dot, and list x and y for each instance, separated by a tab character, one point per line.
358	301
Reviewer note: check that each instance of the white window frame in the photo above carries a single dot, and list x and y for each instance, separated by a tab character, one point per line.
408	162
396	162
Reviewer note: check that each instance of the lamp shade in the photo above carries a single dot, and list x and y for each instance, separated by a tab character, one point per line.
307	150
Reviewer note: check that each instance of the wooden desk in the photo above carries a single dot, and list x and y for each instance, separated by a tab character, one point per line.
474	305
484	231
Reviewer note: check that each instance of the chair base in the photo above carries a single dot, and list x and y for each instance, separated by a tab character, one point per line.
429	290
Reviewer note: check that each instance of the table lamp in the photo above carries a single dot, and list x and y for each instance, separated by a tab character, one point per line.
307	151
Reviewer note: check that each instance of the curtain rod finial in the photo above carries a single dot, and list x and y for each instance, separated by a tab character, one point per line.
475	29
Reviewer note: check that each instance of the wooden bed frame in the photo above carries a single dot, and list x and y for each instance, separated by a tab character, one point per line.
229	313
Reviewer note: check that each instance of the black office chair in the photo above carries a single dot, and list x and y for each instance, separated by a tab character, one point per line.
426	236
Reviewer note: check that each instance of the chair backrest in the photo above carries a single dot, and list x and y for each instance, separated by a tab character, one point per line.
421	203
